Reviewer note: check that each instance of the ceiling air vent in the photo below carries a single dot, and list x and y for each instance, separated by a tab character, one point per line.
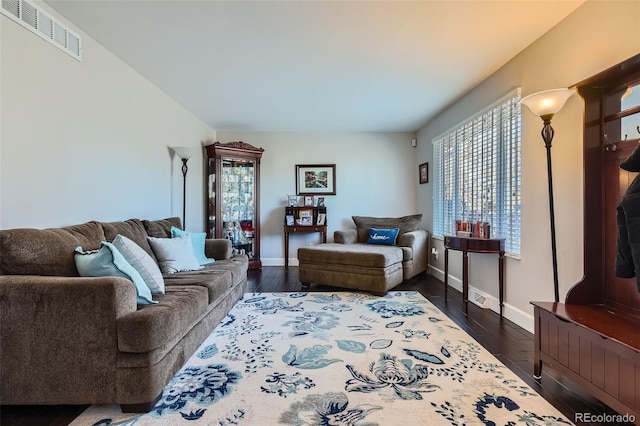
36	20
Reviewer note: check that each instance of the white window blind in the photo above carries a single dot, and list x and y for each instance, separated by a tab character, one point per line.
477	173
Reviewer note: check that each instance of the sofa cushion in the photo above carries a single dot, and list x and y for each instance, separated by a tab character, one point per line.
161	228
237	266
405	223
217	283
142	262
174	254
107	261
28	251
153	326
363	255
133	229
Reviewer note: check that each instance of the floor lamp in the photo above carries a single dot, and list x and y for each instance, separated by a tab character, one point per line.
545	105
184	153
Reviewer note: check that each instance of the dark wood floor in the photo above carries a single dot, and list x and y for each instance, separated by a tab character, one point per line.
511	344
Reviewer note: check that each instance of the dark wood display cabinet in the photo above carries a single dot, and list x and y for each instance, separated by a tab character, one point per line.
233	196
593	338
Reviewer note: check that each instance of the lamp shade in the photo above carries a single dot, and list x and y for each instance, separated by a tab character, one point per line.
184	152
547	102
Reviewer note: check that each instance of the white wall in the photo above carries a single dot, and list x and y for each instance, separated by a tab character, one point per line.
375	176
595	37
88	140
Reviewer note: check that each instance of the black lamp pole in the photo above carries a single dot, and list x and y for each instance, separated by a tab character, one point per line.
547	136
185	169
545	104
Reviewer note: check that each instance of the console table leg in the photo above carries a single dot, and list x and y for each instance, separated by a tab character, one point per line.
501	280
286	250
446	272
465	279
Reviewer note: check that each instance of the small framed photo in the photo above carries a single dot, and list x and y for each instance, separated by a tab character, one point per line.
423	172
306	221
320	202
315	179
289	220
308	200
322	217
292	200
306	213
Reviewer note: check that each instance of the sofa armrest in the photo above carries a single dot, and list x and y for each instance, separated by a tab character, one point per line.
416	240
63	300
218	248
55	327
346	236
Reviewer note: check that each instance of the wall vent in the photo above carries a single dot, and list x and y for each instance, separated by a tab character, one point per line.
481	300
36	20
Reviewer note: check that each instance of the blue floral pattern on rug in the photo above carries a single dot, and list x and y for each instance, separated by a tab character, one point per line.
200	385
340	358
406	380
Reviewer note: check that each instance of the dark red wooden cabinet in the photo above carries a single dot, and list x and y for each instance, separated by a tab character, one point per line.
232	196
594	337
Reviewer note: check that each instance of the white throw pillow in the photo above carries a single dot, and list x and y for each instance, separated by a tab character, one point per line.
175	254
142	262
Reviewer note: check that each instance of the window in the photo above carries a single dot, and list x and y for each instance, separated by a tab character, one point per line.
477	173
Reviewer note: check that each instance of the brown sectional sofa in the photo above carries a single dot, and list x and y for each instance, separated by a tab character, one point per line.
66	339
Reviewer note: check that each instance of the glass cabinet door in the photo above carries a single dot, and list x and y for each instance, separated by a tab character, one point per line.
233	197
238	208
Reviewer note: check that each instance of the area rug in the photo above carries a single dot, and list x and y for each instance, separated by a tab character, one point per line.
339	359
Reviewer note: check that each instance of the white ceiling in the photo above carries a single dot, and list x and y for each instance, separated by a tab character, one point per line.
308	66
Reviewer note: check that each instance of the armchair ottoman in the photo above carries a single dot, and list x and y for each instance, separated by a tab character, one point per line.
355	266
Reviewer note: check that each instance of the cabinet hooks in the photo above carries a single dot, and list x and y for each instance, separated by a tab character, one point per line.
609	146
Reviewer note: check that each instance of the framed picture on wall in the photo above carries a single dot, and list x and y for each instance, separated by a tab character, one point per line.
315	179
423	172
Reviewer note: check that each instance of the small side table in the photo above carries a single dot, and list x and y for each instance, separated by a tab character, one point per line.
473	245
300	229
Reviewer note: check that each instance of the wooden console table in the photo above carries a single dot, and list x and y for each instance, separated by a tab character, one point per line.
317	222
301	229
473	245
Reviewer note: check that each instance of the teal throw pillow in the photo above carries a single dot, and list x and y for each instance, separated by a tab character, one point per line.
107	261
197	239
385	237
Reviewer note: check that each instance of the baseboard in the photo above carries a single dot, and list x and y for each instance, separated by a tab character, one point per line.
486	301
